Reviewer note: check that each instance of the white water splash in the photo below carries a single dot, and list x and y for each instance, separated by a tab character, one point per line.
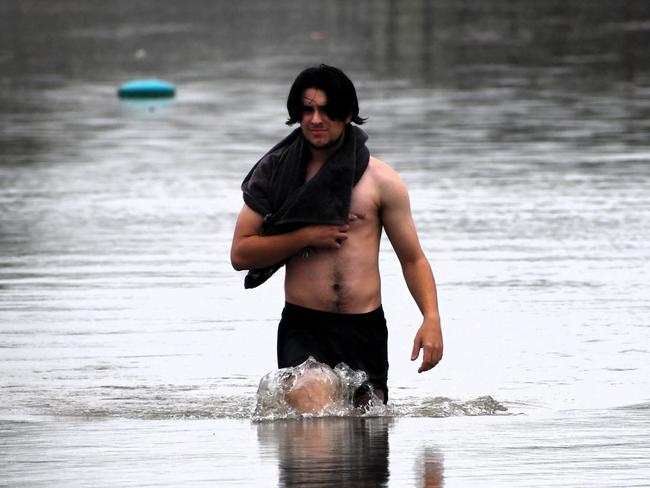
278	389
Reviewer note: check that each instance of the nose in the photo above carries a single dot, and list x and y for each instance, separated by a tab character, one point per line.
316	118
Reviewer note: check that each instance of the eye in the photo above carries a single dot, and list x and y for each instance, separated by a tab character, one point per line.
306	109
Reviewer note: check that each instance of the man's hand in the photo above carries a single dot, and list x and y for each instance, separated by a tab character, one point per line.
329	236
325	236
429	339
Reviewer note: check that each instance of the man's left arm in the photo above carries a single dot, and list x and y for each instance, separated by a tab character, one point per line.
400	229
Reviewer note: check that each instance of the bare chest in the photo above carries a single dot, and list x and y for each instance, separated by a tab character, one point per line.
345	279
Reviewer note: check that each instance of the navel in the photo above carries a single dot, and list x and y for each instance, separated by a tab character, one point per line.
338	289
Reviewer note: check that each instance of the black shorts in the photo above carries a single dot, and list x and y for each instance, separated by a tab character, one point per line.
358	340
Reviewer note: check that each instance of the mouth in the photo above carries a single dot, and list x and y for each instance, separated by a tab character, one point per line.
318	135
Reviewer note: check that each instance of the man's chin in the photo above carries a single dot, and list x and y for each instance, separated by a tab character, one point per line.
324	145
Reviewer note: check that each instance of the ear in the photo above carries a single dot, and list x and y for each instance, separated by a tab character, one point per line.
348	119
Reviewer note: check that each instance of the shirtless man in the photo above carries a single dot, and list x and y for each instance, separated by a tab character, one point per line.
333	307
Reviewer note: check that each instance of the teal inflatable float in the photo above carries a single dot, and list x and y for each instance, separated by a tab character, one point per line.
152	88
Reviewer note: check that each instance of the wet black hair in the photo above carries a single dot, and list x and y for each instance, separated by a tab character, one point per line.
339	89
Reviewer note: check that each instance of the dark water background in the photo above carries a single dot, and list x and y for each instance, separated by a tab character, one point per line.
129	351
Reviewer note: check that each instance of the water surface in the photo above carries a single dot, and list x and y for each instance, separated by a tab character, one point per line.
130	354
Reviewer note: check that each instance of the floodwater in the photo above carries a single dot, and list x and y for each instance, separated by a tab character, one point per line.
130	353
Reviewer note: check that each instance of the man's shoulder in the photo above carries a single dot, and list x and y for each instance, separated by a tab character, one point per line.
383	173
373	161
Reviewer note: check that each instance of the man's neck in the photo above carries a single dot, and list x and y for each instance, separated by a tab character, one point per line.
318	156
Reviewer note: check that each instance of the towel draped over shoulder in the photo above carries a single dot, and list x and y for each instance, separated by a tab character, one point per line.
276	189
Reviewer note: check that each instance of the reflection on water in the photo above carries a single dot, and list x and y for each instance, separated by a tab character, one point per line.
431	467
328	451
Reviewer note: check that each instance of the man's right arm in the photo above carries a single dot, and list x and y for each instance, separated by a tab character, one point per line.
250	250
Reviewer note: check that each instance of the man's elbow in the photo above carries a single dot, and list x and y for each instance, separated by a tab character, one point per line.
238	266
412	259
237	261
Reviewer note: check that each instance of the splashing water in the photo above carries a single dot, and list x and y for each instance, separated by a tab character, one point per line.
313	389
448	407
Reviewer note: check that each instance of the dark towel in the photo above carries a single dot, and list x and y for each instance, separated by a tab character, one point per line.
275	188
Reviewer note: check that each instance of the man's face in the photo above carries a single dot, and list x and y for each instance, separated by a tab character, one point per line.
320	131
